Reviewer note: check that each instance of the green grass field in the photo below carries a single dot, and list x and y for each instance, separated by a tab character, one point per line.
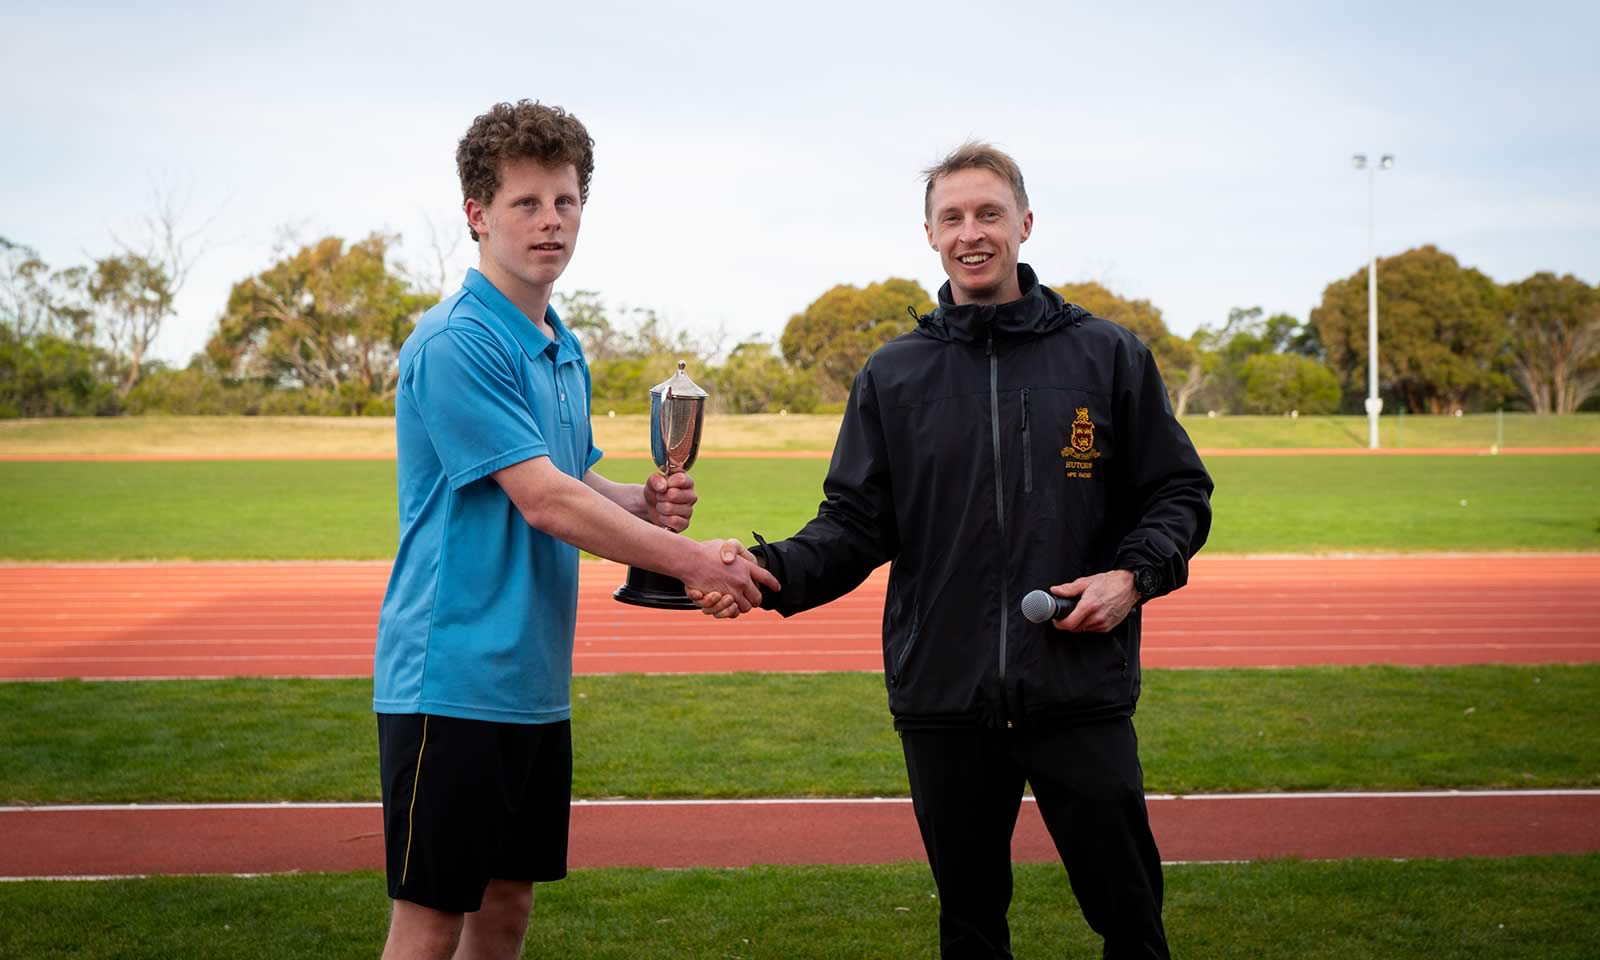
322	509
1515	909
214	436
777	735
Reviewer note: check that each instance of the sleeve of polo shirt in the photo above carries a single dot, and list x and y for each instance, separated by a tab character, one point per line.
477	417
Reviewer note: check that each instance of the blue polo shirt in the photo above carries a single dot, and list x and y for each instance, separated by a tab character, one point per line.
478	618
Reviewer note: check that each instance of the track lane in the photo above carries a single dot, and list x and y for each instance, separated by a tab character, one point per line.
319	619
283	838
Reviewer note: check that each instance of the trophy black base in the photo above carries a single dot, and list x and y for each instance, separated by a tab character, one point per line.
646	588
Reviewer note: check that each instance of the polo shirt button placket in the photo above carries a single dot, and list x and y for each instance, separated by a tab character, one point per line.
561	398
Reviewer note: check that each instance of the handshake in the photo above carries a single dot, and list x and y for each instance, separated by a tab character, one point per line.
725	579
720	577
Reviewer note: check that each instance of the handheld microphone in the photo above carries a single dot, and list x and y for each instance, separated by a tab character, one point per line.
1042	605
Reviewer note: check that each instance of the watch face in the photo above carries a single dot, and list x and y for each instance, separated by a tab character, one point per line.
1145	581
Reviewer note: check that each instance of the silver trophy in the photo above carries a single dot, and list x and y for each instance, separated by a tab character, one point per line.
677	407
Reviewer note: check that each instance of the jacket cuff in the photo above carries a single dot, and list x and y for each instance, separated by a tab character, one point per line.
1133	561
772	560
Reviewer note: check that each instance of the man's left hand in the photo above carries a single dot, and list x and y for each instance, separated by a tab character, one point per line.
1103	601
669	501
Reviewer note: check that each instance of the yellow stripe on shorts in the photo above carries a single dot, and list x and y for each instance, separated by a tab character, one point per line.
411	814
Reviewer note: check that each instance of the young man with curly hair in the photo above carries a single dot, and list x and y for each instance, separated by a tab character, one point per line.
497	496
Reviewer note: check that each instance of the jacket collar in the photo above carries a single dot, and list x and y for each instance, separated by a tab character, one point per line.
1038	310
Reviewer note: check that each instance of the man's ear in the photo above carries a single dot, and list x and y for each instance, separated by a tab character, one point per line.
927	228
1027	226
477	216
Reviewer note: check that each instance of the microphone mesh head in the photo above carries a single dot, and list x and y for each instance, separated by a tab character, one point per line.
1038	606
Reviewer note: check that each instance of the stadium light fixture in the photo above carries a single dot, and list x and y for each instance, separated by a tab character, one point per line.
1374	402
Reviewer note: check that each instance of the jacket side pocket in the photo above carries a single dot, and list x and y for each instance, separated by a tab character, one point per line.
905	653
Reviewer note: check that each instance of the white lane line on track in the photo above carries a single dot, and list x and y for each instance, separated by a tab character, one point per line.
732	653
247	620
101	877
598	567
824	801
1352	630
1378	583
346	614
767	655
93	878
736	654
219	658
1581	623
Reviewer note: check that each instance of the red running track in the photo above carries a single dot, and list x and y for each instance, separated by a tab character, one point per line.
121	841
319	619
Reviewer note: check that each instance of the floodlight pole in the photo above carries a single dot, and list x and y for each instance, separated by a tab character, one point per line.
1374	402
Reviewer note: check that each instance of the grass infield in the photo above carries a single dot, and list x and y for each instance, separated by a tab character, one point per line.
261	510
1508	909
373	436
782	735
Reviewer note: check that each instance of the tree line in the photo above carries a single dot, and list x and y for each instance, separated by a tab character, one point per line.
319	332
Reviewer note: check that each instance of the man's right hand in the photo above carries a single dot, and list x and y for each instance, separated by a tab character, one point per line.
725	579
720	605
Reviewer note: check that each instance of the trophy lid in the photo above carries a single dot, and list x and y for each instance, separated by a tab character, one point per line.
679	384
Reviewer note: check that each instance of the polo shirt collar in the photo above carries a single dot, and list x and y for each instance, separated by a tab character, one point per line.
533	342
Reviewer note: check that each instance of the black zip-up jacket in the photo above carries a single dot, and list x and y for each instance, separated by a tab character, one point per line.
994	450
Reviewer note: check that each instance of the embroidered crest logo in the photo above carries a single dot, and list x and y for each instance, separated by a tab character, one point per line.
1081	446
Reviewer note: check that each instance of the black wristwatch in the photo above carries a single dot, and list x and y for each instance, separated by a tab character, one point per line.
1146	582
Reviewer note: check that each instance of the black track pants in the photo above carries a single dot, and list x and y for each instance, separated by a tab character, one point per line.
966	787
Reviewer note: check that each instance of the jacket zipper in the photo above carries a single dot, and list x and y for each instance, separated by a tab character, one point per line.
900	661
999	495
1027	448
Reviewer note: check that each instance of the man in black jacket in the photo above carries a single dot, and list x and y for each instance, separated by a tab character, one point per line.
1009	442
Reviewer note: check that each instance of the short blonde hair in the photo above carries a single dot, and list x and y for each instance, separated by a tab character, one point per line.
975	154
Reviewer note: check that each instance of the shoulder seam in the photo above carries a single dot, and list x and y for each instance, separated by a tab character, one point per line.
451	326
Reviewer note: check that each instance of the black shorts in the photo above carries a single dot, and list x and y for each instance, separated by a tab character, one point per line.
469	801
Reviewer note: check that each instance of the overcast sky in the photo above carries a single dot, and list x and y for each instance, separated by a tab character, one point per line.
750	156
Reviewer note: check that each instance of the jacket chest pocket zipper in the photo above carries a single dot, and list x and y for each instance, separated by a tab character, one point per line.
1027	448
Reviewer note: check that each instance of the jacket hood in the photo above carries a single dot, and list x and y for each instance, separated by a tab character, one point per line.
1039	310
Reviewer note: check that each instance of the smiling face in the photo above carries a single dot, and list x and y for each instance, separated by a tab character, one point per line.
976	225
528	231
